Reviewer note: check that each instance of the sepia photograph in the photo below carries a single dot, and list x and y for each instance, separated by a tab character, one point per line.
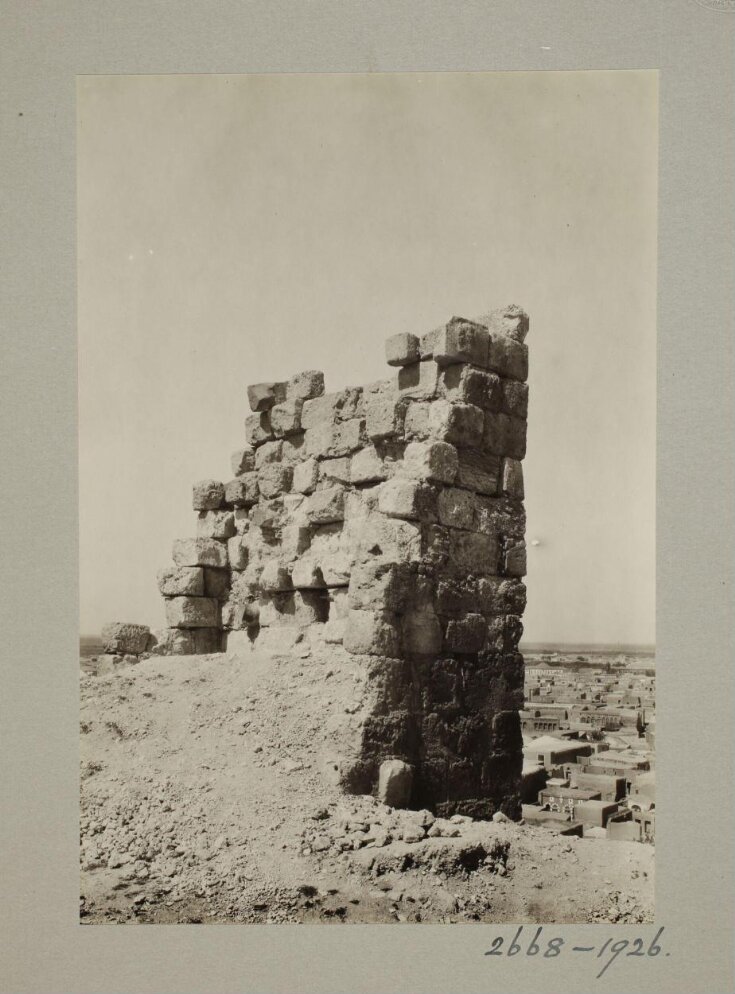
367	497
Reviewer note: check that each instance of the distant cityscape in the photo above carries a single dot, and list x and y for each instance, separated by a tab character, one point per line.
589	738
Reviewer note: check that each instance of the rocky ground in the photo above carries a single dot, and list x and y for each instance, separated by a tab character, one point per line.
208	794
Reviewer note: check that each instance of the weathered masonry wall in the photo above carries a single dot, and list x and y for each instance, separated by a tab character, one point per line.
388	518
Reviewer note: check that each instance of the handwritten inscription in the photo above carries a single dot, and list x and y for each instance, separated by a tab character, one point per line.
548	948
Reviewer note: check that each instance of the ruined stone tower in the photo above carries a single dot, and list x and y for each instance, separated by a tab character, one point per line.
388	519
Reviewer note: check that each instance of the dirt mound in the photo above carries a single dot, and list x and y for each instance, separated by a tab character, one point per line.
209	794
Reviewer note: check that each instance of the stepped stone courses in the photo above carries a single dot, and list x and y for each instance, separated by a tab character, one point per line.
388	519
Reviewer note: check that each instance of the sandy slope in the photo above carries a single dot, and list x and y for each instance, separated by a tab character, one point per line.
208	794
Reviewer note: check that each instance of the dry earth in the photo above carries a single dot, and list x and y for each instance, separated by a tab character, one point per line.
208	795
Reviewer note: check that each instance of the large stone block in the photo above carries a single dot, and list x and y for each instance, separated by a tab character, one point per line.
217	583
402	349
258	429
456	597
458	424
243	490
237	552
346	437
294	447
199	552
306	575
467	634
383	415
208	495
376	534
419	381
395	783
434	461
416	422
503	633
119	637
305	476
508	357
336	569
400	498
274	479
379	585
286	418
216	524
515	398
514	560
178	581
295	540
513	478
311	607
496	595
504	435
192	612
478	471
469	385
243	461
421	632
268	452
511	321
262	396
187	642
275	577
326	506
306	385
370	633
456	508
367	466
319	410
461	341
335	470
473	553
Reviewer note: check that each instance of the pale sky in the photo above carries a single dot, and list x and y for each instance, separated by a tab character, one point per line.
242	228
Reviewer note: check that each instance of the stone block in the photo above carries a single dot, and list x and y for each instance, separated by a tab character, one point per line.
370	633
421	633
501	517
383	415
274	479
307	575
469	385
347	437
379	585
338	603
267	515
295	540
258	429
395	782
179	581
208	495
416	421
243	461
402	349
326	506
237	552
496	595
473	553
435	461
320	410
377	534
119	637
513	478
419	381
318	440
514	560
456	508
275	577
268	452
367	466
334	631
192	612
458	424
187	642
508	357
216	583
478	471
243	490
216	524
262	396
515	398
336	568
511	321
277	609
286	418
305	476
456	597
400	498
503	634
326	540
335	469
306	385
311	607
461	341
294	447
242	520
504	435
199	552
466	634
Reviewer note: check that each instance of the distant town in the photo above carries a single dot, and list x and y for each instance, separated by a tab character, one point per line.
589	738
